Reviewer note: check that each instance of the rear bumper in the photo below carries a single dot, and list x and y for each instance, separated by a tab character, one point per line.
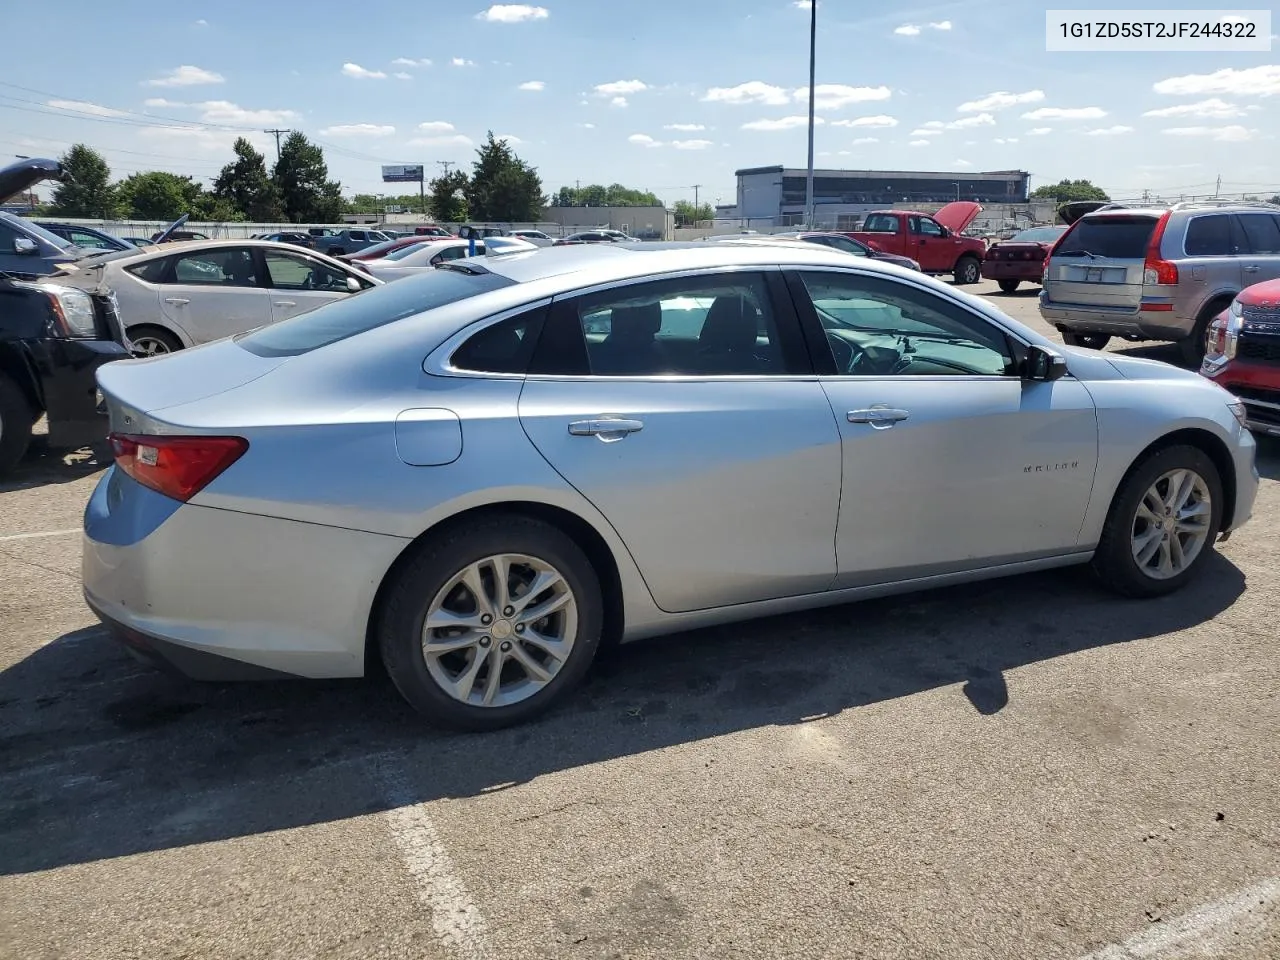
67	374
1029	270
217	594
1114	321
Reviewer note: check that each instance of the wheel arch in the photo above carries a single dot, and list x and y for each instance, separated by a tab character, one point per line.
1208	443
581	531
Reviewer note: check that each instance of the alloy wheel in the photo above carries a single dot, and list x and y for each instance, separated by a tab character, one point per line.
148	346
1171	524
500	630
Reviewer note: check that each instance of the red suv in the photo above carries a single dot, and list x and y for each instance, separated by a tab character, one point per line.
1243	354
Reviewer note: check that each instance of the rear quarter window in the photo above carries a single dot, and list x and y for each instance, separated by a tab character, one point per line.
1209	236
1117	238
149	270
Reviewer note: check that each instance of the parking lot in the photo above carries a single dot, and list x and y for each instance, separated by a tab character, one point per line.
1020	768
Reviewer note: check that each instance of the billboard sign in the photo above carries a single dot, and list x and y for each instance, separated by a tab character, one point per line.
402	174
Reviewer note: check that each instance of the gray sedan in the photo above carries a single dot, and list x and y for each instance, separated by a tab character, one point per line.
483	473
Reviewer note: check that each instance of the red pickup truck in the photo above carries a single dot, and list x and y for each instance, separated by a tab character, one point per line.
932	241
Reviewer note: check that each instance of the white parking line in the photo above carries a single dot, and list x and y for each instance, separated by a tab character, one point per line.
37	536
1203	932
454	915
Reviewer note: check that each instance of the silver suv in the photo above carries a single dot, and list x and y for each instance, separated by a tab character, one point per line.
1157	272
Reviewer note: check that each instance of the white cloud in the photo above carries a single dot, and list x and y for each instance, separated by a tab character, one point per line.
162	102
204	139
533	86
918	143
1005	140
1000	100
509	138
1108	131
436	126
940	25
684	127
618	102
202	23
620	88
225	112
644	140
935	127
512	13
587	126
802	4
357	72
1249	82
753	91
401	75
866	140
187	76
84	106
1065	113
358	130
461	62
691	144
1039	131
914	30
1211	109
410	62
1228	134
833	96
457	140
782	123
879	120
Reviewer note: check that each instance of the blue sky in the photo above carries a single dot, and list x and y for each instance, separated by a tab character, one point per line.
654	94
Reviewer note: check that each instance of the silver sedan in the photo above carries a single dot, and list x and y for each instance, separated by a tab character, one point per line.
483	473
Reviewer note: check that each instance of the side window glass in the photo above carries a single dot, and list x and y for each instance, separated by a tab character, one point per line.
928	228
1209	236
151	271
7	236
696	326
503	347
880	223
880	328
224	268
300	273
1262	231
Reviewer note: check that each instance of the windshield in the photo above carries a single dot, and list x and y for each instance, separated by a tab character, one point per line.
1039	235
1121	238
369	310
378	248
406	250
42	233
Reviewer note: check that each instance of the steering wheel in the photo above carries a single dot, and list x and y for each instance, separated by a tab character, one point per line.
848	356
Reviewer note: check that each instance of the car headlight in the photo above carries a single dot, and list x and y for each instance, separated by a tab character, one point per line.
1239	412
1235	320
73	308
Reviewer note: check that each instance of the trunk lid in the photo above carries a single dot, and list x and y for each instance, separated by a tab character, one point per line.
24	174
957	215
1100	261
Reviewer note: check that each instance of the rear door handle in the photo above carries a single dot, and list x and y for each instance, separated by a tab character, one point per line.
1251	268
285	303
606	428
177	301
879	416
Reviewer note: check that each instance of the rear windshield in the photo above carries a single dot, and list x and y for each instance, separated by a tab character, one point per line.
1120	238
880	223
368	310
1038	235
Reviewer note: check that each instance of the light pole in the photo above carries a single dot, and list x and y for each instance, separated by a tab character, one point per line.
957	186
813	45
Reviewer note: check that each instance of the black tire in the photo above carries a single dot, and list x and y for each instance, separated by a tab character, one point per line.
336	252
409	595
1094	341
148	334
968	270
1113	562
1192	348
1008	286
15	425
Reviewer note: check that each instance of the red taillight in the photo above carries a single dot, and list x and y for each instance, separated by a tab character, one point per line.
178	467
1155	270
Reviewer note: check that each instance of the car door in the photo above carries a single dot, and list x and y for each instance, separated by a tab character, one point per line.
935	250
1214	245
686	411
299	283
951	460
1261	258
215	292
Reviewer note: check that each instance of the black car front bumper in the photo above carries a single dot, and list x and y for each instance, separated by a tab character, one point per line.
66	378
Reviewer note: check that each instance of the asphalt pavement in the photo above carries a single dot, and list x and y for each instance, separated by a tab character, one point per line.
1027	768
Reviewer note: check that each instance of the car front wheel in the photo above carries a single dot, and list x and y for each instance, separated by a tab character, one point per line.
968	270
491	624
1162	523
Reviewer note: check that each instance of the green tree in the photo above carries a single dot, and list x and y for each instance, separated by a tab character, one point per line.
688	215
158	195
302	177
503	187
1067	190
597	195
448	197
87	189
211	208
244	186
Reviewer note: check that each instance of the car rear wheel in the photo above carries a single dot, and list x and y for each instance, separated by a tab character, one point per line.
491	624
1162	523
968	270
15	424
149	341
1094	341
1008	286
1192	348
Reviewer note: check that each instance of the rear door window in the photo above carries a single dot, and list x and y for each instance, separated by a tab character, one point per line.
1209	236
880	223
1262	231
1116	238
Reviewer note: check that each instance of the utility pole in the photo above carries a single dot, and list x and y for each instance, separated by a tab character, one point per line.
1218	187
277	134
696	187
446	164
813	47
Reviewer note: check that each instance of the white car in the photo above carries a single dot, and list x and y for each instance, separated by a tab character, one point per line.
419	257
536	237
184	294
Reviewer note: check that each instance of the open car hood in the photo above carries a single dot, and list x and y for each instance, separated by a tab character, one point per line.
957	215
164	234
1073	210
24	174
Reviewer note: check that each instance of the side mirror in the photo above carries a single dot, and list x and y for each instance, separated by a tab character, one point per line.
1043	364
353	285
24	247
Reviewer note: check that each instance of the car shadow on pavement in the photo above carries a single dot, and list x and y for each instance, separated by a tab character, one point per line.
44	465
101	757
1269	457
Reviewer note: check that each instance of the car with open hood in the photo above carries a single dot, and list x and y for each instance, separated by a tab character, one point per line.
933	241
53	337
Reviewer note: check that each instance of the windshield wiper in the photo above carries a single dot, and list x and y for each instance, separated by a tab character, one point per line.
1079	253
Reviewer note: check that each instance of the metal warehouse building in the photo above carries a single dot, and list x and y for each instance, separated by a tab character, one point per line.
775	196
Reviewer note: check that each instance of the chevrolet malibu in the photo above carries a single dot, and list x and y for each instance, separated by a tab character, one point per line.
482	474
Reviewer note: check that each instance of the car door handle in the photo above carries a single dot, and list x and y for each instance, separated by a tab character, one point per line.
177	301
606	428
1251	268
878	416
285	303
